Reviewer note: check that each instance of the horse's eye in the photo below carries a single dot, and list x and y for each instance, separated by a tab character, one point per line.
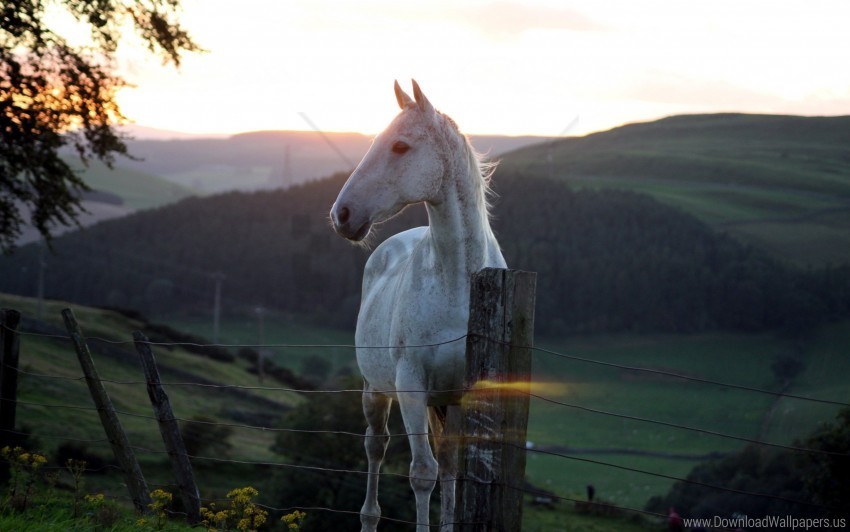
400	147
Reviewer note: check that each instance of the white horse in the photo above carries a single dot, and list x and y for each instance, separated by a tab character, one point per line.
415	297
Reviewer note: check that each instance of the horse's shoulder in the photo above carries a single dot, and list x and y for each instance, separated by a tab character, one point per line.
396	247
390	254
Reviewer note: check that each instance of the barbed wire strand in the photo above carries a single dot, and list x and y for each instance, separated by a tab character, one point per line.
409	477
674	478
399	475
148	450
436	344
689	428
530	394
350	512
509	486
688	377
53	437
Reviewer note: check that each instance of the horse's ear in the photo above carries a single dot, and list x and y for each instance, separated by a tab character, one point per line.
421	100
403	99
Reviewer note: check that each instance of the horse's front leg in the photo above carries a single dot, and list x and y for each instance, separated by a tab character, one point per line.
412	401
376	408
445	447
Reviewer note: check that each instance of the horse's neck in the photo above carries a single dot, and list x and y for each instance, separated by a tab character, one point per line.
460	233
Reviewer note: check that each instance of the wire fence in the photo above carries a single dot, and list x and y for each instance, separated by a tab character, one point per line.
329	469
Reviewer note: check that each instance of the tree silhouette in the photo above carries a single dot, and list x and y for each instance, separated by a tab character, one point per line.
55	94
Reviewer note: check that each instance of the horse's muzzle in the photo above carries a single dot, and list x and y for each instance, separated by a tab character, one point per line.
347	225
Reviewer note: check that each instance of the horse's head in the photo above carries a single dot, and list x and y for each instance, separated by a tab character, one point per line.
405	165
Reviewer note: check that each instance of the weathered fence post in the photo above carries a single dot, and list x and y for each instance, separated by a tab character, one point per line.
109	418
180	464
493	415
10	320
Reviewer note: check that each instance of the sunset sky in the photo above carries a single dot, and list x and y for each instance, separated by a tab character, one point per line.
531	67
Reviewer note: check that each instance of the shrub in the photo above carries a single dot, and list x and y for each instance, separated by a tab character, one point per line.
103	512
202	435
72	451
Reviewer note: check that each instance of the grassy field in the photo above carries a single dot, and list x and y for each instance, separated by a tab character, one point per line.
139	190
215	179
742	360
588	437
781	183
572	447
280	330
55	404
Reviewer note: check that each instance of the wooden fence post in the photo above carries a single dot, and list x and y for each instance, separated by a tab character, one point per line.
10	320
109	418
493	416
180	464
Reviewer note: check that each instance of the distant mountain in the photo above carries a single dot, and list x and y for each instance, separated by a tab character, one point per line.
269	159
151	133
171	165
781	183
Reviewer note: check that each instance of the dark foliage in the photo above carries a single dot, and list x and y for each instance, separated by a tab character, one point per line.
159	333
96	464
332	489
827	474
203	436
22	437
818	481
54	94
282	375
606	261
316	369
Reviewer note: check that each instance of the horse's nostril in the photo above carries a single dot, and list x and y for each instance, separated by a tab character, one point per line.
343	215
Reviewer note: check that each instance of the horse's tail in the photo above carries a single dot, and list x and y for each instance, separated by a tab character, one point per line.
437	421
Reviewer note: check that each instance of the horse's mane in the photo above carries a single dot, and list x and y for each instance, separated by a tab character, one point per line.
479	166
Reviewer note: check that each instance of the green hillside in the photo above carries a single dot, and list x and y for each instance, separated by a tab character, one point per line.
781	183
138	189
607	261
52	376
268	159
748	360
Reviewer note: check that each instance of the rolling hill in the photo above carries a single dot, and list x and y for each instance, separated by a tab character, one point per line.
268	159
607	261
45	351
115	193
781	183
168	166
135	189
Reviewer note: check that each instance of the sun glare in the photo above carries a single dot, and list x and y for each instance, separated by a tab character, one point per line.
551	389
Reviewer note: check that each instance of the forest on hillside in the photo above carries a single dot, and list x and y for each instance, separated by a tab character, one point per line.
606	260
